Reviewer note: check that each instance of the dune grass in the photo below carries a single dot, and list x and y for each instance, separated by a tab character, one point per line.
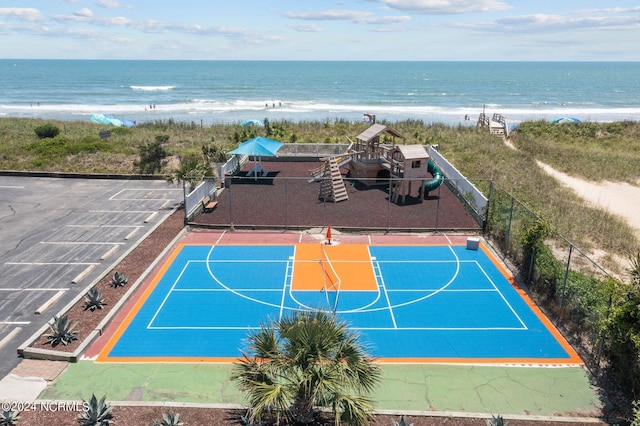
590	150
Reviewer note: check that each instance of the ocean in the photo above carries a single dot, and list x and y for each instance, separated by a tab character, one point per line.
212	92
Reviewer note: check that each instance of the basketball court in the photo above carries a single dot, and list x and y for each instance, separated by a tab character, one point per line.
417	299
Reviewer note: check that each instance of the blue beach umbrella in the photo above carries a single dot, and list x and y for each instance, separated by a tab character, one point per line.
258	147
565	120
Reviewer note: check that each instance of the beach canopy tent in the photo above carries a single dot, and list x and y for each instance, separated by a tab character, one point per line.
111	120
258	123
565	120
257	148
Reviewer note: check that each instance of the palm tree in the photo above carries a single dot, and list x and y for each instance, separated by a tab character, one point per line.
305	361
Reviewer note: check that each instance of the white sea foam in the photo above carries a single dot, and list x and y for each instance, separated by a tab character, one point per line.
153	88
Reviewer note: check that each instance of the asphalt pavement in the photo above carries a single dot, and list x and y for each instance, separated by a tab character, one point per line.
58	236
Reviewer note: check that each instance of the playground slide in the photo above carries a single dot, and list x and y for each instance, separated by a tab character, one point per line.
437	180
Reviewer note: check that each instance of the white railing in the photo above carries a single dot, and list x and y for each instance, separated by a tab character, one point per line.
465	188
193	200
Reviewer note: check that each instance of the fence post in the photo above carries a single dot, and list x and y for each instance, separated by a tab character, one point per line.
438	207
485	222
230	209
286	203
507	237
389	205
566	276
184	197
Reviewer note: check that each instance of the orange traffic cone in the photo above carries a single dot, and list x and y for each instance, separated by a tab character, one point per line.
329	234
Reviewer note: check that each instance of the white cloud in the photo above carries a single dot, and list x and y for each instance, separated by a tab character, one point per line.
109	4
541	23
28	14
306	28
347	15
85	12
445	7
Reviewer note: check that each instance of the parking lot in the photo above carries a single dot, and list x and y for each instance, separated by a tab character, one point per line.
60	235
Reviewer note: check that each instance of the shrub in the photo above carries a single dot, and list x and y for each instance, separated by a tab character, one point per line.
119	280
97	413
93	300
47	131
497	421
9	417
169	419
61	331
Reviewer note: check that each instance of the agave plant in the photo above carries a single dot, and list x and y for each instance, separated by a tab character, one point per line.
169	419
61	331
9	417
402	422
497	421
118	280
96	413
93	300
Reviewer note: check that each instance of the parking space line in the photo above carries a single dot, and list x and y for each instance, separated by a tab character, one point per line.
113	197
102	226
121	211
35	289
85	243
51	263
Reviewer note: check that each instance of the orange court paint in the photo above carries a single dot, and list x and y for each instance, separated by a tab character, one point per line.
318	267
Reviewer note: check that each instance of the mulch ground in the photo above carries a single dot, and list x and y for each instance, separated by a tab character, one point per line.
285	198
262	204
144	416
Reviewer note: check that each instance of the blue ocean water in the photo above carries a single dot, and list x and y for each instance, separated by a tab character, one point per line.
232	91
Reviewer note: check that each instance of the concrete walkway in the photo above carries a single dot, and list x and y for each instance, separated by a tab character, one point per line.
540	391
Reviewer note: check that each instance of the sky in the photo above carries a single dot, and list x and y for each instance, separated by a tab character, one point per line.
390	30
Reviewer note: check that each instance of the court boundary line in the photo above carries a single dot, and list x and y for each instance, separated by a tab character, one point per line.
574	359
381	289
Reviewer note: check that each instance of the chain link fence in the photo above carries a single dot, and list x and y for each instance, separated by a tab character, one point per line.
567	284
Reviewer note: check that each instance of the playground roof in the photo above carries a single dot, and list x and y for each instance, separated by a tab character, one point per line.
413	152
375	131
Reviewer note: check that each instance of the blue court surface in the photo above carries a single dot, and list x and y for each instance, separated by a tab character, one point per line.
426	304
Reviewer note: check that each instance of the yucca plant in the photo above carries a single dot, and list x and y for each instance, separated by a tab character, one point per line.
497	421
118	280
96	413
169	419
61	331
402	422
93	300
9	417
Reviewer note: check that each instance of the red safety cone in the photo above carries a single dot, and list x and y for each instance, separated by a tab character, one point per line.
329	235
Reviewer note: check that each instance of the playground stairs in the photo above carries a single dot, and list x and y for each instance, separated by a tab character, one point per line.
332	186
395	190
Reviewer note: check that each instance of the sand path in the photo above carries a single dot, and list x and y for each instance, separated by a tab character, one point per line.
619	198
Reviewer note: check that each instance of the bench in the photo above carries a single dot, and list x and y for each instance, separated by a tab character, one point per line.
208	204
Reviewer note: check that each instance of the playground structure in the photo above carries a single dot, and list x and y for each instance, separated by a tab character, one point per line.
370	161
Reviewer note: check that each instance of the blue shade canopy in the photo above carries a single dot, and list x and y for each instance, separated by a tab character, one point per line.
258	147
565	120
258	123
